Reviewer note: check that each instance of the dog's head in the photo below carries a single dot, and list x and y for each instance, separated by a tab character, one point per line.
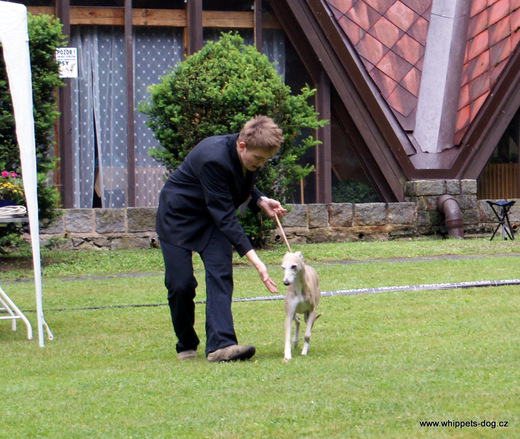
291	264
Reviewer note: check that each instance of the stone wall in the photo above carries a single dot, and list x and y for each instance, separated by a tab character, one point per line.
425	193
104	229
134	228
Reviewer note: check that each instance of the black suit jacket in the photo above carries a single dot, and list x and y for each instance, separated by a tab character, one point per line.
203	193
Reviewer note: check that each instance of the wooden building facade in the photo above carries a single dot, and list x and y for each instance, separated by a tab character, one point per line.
413	89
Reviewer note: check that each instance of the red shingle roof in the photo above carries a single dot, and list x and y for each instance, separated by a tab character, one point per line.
492	37
390	38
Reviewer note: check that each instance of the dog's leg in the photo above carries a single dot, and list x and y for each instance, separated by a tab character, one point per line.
288	324
296	329
309	321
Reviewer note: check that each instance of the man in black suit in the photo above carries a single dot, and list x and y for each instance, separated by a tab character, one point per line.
197	213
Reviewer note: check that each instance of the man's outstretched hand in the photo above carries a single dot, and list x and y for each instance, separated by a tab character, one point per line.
271	207
262	271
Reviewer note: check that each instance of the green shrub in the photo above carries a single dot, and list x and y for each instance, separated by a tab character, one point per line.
45	35
215	91
349	191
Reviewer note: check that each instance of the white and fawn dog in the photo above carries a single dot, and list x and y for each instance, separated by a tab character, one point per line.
302	296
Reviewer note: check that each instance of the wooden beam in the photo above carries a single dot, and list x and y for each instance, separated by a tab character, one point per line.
257	30
66	180
234	20
36	10
195	25
97	16
81	15
159	17
323	151
130	128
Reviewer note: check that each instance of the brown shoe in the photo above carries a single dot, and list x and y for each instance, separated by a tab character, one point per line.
186	355
231	353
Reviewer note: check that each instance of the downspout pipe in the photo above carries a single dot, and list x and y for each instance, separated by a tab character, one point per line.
449	207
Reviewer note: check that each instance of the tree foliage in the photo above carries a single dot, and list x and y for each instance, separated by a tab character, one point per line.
215	91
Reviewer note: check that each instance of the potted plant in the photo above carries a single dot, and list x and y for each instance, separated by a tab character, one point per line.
11	189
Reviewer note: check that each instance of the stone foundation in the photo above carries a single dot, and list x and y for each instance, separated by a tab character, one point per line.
102	229
134	228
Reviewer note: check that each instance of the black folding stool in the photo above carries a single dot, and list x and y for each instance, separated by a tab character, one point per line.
501	211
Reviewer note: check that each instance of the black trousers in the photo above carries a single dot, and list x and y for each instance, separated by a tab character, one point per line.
181	285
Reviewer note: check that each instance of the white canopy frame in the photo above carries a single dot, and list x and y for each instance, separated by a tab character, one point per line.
14	37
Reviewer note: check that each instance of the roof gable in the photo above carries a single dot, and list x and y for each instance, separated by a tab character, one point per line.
379	59
390	37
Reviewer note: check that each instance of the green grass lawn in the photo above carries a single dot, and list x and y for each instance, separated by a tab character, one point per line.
378	364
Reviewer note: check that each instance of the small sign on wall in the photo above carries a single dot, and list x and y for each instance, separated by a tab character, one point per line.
67	58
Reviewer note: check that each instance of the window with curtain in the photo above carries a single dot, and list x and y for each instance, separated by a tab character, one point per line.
156	51
99	115
99	118
273	46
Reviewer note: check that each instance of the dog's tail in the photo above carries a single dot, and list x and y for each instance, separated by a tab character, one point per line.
317	317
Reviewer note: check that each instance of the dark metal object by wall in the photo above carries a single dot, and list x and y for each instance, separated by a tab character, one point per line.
448	205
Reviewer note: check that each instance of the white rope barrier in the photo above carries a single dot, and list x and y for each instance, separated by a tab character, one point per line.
421	287
349	292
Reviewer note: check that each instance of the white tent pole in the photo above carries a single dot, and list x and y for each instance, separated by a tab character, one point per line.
15	43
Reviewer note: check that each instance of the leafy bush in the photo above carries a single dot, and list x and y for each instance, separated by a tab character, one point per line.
349	191
45	35
215	91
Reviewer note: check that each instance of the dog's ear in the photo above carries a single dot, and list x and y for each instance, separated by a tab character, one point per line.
300	254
